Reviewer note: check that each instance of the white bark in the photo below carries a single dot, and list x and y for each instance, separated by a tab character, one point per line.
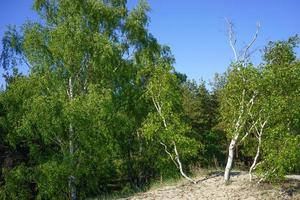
243	54
258	135
246	55
255	159
176	161
245	107
170	155
232	38
71	181
234	140
230	157
238	57
180	165
248	132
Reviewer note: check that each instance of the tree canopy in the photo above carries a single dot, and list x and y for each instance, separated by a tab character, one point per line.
102	108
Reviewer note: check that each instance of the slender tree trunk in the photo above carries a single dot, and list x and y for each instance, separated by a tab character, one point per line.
180	165
232	145
230	157
176	161
242	58
258	135
255	158
71	181
238	125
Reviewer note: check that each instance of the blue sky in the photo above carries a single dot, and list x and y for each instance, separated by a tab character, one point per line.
195	29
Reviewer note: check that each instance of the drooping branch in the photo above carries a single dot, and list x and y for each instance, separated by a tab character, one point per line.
176	161
170	155
293	177
180	165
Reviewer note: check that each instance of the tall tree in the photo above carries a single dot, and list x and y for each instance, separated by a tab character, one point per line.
200	110
237	100
280	145
82	108
240	109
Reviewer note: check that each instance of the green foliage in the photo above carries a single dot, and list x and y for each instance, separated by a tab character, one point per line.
281	96
17	184
200	108
240	88
85	109
164	123
102	95
275	88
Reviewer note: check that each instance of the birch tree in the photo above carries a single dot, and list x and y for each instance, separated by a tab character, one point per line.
237	100
81	70
259	116
280	146
161	91
244	98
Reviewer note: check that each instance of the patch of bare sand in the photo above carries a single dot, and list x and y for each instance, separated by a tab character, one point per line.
213	187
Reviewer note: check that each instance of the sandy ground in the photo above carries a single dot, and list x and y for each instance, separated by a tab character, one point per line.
212	187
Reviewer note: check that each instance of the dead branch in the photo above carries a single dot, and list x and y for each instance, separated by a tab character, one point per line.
245	55
232	38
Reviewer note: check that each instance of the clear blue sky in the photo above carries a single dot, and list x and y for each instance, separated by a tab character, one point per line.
195	30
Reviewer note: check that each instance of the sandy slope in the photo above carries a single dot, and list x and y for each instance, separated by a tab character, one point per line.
213	187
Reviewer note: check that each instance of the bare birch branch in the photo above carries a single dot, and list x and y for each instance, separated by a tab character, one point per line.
176	161
251	42
247	133
180	165
171	156
258	136
232	39
243	54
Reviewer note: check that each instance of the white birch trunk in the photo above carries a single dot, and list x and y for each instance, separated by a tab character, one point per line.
71	181
242	59
258	136
233	142
230	157
176	161
255	158
180	165
237	128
